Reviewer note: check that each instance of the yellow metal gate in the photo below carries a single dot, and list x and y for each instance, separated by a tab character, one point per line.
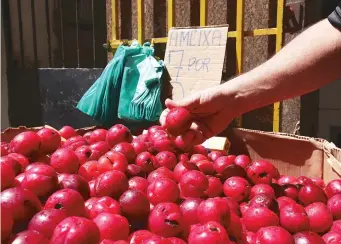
239	34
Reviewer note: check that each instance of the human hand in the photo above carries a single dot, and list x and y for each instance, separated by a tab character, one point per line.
210	109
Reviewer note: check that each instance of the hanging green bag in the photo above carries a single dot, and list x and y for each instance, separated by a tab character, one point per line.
141	87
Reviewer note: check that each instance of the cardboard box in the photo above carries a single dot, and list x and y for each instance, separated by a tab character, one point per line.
291	154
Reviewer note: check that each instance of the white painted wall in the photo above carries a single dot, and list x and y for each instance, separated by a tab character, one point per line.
329	109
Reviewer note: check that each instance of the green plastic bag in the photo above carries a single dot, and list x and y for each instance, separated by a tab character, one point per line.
111	96
141	87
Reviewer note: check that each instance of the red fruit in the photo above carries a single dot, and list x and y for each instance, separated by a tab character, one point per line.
138	183
262	189
112	226
92	188
286	179
46	221
68	200
210	232
308	237
214	155
153	129
197	157
41	158
22	203
134	204
146	161
262	171
89	170
42	180
266	201
159	173
178	121
186	141
23	161
332	237
163	143
4	149
75	182
243	161
319	217
98	135
336	226
163	190
250	237
84	154
235	228
283	201
134	170
65	161
318	181
175	240
183	157
215	187
182	168
237	188
214	209
139	236
86	136
193	184
112	183
13	163
189	211
334	206
126	149
118	133
233	205
158	134
29	236
333	188
74	142
112	161
25	143
76	230
311	193
139	146
6	223
94	206
206	167
67	132
303	180
221	163
274	234
50	140
165	159
7	176
256	218
165	220
294	218
290	191
99	149
199	149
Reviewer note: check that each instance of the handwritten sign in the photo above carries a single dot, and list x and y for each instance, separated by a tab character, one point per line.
194	58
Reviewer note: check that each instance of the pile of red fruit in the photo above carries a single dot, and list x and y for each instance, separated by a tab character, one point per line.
107	186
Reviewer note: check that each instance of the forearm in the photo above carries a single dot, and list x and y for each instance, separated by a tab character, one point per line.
310	61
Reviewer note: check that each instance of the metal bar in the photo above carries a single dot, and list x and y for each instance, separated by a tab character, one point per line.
279	42
34	34
171	15
77	33
62	31
21	35
93	33
203	12
114	32
48	30
140	21
239	45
